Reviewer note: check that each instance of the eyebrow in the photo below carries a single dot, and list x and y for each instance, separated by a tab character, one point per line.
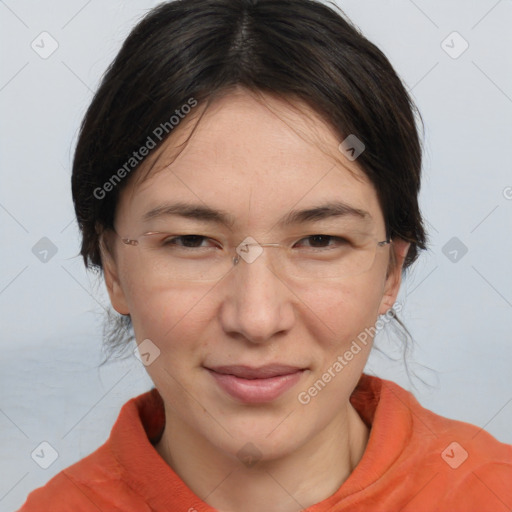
216	216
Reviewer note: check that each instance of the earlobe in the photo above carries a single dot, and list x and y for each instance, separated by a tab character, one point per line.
400	249
112	282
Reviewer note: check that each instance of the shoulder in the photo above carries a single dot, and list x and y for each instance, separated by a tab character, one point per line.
100	481
93	483
459	463
439	430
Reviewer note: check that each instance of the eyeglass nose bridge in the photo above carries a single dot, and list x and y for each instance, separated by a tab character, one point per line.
244	247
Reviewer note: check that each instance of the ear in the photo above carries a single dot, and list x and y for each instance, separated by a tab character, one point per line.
399	249
111	274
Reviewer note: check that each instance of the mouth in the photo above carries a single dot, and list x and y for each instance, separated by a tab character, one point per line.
264	372
256	385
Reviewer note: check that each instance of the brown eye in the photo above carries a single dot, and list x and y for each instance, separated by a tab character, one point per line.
323	241
191	241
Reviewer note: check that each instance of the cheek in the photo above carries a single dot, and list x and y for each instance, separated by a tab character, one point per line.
168	315
333	313
342	310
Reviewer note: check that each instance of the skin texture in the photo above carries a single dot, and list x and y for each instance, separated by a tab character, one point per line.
257	161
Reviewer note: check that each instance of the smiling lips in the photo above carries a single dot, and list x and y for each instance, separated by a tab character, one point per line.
256	385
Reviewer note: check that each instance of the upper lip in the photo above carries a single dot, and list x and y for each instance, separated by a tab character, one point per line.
263	372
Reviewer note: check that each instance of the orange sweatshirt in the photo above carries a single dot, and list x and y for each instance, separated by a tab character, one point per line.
415	461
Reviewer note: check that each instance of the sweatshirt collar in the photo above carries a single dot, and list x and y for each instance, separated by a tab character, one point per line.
381	404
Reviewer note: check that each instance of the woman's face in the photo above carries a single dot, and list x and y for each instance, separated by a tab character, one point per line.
245	161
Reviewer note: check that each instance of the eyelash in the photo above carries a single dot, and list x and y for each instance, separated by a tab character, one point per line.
171	240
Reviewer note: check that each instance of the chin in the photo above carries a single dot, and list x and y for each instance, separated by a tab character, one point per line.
267	438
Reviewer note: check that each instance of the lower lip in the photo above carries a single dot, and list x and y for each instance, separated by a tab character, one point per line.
256	390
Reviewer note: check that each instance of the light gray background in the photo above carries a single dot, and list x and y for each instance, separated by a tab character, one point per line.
458	312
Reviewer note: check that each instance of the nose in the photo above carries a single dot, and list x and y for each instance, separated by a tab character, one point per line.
258	304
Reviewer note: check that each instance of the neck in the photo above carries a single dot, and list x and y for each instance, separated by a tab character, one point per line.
304	477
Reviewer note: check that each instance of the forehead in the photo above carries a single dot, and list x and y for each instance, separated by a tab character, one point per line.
257	158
